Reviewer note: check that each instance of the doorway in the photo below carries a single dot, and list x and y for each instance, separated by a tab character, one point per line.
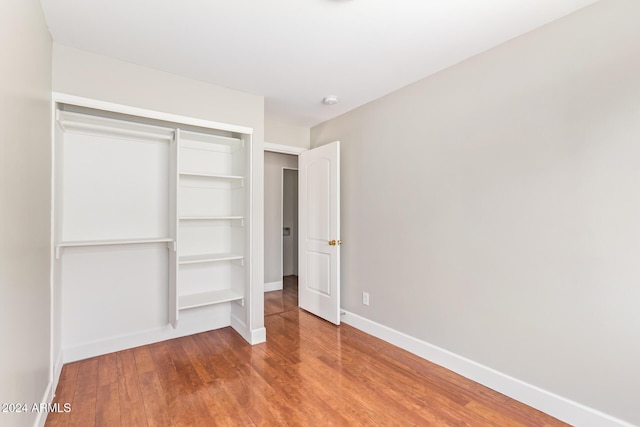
289	222
280	232
319	219
286	299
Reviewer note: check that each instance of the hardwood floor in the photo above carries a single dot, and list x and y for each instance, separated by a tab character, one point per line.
308	373
279	301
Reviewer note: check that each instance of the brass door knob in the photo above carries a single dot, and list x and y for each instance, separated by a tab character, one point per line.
332	242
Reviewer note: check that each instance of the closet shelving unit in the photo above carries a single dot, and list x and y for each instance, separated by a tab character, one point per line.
96	177
123	180
213	206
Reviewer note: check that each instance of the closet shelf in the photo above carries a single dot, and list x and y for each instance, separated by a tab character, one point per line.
208	217
188	136
196	259
112	128
213	175
67	244
86	243
209	298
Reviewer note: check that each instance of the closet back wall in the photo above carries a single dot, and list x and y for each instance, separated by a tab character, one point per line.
97	77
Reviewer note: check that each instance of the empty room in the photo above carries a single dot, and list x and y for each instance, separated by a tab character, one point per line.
320	212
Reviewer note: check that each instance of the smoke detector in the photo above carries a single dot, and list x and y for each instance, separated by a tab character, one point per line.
330	100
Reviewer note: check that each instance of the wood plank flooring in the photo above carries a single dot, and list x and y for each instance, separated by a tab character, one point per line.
279	301
308	373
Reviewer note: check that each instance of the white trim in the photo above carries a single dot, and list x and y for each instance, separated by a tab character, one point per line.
253	336
150	336
258	336
143	112
50	391
557	406
57	371
273	286
240	327
255	297
54	374
47	397
284	149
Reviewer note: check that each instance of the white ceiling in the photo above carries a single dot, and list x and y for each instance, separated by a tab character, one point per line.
296	52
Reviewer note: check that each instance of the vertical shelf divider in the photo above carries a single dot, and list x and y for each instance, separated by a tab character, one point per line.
174	228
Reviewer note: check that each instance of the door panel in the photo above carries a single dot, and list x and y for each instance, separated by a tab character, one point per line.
318	200
319	268
319	240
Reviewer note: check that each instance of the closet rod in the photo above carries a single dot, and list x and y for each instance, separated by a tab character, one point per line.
72	126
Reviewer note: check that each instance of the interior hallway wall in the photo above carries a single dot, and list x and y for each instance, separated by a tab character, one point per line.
290	220
492	209
273	164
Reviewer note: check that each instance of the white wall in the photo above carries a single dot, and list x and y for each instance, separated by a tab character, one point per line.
279	132
25	219
88	75
492	209
290	220
100	77
273	164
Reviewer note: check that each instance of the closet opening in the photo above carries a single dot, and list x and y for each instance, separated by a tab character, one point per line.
151	228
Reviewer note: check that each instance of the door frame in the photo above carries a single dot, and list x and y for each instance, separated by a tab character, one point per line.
284	149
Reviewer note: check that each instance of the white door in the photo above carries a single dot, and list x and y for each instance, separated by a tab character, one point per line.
319	228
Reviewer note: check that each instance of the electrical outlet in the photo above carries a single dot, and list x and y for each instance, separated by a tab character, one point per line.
365	298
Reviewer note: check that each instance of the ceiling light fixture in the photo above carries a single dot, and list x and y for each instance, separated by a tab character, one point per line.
330	100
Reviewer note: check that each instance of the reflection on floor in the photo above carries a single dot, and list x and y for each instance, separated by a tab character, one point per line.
276	302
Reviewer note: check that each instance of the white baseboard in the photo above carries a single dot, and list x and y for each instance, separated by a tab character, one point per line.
258	336
150	336
47	397
254	336
273	286
557	406
241	328
57	371
49	392
57	367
